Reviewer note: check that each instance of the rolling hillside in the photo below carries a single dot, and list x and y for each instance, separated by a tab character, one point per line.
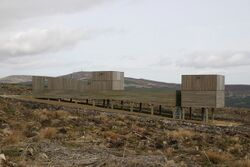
129	82
243	90
236	95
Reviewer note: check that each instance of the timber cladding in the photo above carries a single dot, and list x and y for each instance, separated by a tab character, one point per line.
206	99
203	91
100	81
203	83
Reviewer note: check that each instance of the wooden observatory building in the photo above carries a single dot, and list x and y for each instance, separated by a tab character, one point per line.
203	91
98	81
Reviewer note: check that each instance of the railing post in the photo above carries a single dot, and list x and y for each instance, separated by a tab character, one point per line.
160	109
131	107
152	109
212	116
122	104
174	112
111	104
140	107
190	112
183	113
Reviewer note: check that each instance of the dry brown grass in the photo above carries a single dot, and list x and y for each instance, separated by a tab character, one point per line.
242	163
43	115
61	114
48	133
169	152
181	133
111	135
217	157
14	138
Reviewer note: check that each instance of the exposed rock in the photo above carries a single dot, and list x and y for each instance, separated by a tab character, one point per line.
43	156
2	158
30	152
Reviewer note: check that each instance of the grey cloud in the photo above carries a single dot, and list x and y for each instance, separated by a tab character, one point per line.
38	41
16	10
215	59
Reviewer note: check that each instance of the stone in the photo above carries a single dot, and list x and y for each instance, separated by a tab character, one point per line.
43	156
2	157
30	151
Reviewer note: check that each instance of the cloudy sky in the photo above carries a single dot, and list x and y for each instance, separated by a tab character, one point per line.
152	39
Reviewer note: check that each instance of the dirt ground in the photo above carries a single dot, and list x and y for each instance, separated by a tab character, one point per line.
37	134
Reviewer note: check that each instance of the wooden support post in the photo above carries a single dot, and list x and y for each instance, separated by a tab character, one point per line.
204	114
212	116
70	100
131	107
111	104
122	104
87	101
108	103
174	112
190	112
103	102
140	107
179	109
160	109
183	113
152	109
93	102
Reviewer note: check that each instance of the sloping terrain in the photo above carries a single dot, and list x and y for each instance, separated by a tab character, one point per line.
37	134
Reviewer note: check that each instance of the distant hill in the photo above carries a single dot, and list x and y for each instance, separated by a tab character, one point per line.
144	83
16	79
236	95
129	82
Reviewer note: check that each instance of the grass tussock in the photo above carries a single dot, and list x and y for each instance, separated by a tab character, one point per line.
48	133
14	138
217	157
43	115
180	134
111	135
242	163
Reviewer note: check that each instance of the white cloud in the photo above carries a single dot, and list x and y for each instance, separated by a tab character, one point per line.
17	10
38	41
215	59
